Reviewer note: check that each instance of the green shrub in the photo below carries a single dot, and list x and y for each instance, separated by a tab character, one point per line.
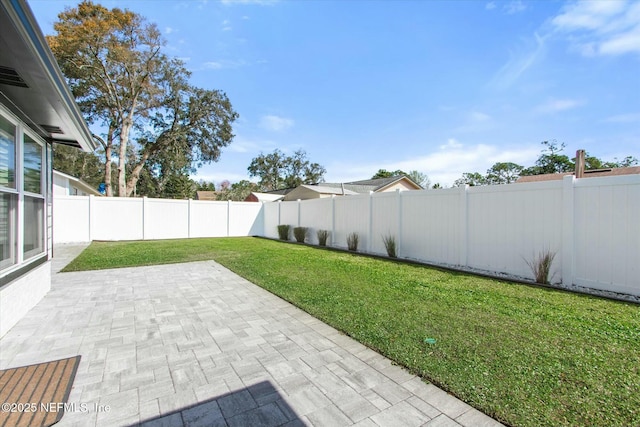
323	235
390	245
283	231
352	241
300	233
541	266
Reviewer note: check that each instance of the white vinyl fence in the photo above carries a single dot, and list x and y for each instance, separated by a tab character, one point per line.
83	219
592	225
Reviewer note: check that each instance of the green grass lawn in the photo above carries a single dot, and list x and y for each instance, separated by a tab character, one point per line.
524	355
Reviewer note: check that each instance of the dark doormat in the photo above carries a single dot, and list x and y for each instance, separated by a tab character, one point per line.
35	395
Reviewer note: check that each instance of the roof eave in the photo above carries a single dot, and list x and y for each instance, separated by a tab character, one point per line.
33	40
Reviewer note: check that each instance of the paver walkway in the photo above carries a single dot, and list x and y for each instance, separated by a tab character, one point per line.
195	344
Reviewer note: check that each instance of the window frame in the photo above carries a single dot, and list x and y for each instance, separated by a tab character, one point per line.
20	261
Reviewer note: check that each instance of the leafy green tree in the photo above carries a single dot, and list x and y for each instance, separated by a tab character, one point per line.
551	160
277	171
115	67
627	162
383	173
503	173
238	191
86	166
419	178
203	185
471	178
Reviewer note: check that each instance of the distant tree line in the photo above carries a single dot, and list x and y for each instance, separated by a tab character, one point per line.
551	160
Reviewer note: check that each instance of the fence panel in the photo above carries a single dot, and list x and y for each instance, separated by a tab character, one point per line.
71	219
509	225
271	219
166	219
431	225
316	214
289	215
245	219
607	233
385	211
351	216
117	218
208	219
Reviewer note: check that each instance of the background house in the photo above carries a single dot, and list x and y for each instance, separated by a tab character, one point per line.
37	110
593	173
67	185
328	189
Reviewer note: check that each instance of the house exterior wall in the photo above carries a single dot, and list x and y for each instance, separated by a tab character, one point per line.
400	185
25	232
22	294
60	186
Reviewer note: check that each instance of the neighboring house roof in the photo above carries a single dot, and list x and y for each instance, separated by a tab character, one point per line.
206	195
309	191
264	197
78	183
594	173
379	184
32	82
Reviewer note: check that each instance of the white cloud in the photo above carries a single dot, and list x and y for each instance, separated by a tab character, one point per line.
226	25
514	7
601	27
519	63
490	6
276	123
257	2
447	164
557	105
169	30
624	118
223	64
478	117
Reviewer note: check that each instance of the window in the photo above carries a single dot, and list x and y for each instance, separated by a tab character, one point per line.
22	194
33	242
7	154
7	227
32	166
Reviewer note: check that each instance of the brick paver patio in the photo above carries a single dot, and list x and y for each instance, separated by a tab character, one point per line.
195	344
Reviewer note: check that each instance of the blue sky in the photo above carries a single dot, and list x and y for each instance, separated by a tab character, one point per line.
442	87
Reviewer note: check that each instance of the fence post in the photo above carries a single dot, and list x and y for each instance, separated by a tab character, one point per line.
333	220
144	219
92	210
228	217
399	238
568	231
464	226
189	219
370	231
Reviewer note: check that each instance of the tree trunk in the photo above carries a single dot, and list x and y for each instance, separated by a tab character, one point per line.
107	162
122	161
135	174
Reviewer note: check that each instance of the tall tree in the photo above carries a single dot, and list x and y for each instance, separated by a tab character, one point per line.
503	173
115	67
238	191
551	160
383	173
422	179
277	171
471	178
86	166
